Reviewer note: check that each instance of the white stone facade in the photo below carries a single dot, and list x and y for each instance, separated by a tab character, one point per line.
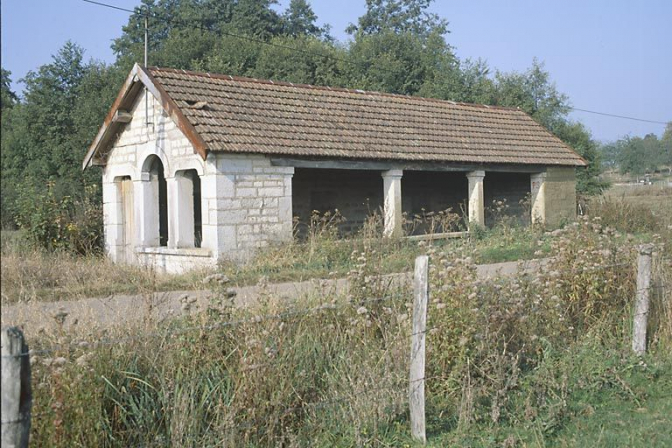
245	202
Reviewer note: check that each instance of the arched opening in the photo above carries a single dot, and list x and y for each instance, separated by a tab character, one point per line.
188	221
198	221
157	180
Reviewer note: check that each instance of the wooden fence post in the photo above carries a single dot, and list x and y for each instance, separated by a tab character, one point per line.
642	299
16	392
416	389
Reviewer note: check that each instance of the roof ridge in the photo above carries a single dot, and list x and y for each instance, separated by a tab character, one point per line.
327	88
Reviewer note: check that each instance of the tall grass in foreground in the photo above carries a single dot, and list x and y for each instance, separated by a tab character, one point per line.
511	361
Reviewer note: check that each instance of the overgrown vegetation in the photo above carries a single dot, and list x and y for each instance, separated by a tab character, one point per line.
28	274
539	359
32	273
636	209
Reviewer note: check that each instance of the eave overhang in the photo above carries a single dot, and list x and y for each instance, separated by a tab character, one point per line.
138	79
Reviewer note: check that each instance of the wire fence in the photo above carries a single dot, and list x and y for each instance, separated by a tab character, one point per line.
83	344
256	319
393	394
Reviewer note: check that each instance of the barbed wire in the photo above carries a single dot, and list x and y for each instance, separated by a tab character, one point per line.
250	320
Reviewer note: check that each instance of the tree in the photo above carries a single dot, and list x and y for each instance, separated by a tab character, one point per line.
320	62
534	93
637	155
399	47
666	146
8	102
300	20
399	16
256	18
609	155
50	97
231	56
7	97
64	103
193	34
578	138
387	62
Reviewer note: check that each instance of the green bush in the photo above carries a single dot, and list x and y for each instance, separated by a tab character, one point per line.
60	222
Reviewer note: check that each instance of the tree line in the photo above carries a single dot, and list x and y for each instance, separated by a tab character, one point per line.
639	155
396	46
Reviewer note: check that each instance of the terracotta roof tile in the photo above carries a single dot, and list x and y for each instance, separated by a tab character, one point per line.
242	115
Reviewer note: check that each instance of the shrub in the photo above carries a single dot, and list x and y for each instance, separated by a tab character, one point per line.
502	353
56	222
487	335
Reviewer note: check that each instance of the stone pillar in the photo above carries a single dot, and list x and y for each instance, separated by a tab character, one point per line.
217	192
538	198
476	202
180	210
146	211
285	207
392	203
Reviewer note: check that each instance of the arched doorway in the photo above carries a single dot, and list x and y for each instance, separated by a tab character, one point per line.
157	209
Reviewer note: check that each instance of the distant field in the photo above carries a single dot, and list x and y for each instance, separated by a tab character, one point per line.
656	197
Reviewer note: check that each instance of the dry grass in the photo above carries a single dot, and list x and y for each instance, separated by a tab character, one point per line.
29	274
636	209
331	374
35	275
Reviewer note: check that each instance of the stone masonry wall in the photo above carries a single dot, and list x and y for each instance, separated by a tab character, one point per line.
162	137
246	203
560	195
250	205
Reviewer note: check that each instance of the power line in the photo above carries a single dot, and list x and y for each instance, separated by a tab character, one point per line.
334	58
238	36
617	116
109	6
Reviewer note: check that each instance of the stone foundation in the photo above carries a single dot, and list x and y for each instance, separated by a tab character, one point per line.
175	261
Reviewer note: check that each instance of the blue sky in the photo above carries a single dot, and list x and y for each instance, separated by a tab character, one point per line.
607	56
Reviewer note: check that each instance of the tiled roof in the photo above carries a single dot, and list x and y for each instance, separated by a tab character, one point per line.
244	115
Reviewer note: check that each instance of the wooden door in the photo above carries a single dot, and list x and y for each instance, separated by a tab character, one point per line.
126	186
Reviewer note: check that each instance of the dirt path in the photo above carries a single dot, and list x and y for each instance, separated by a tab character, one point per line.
133	309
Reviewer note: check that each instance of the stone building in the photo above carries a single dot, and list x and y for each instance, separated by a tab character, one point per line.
199	167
